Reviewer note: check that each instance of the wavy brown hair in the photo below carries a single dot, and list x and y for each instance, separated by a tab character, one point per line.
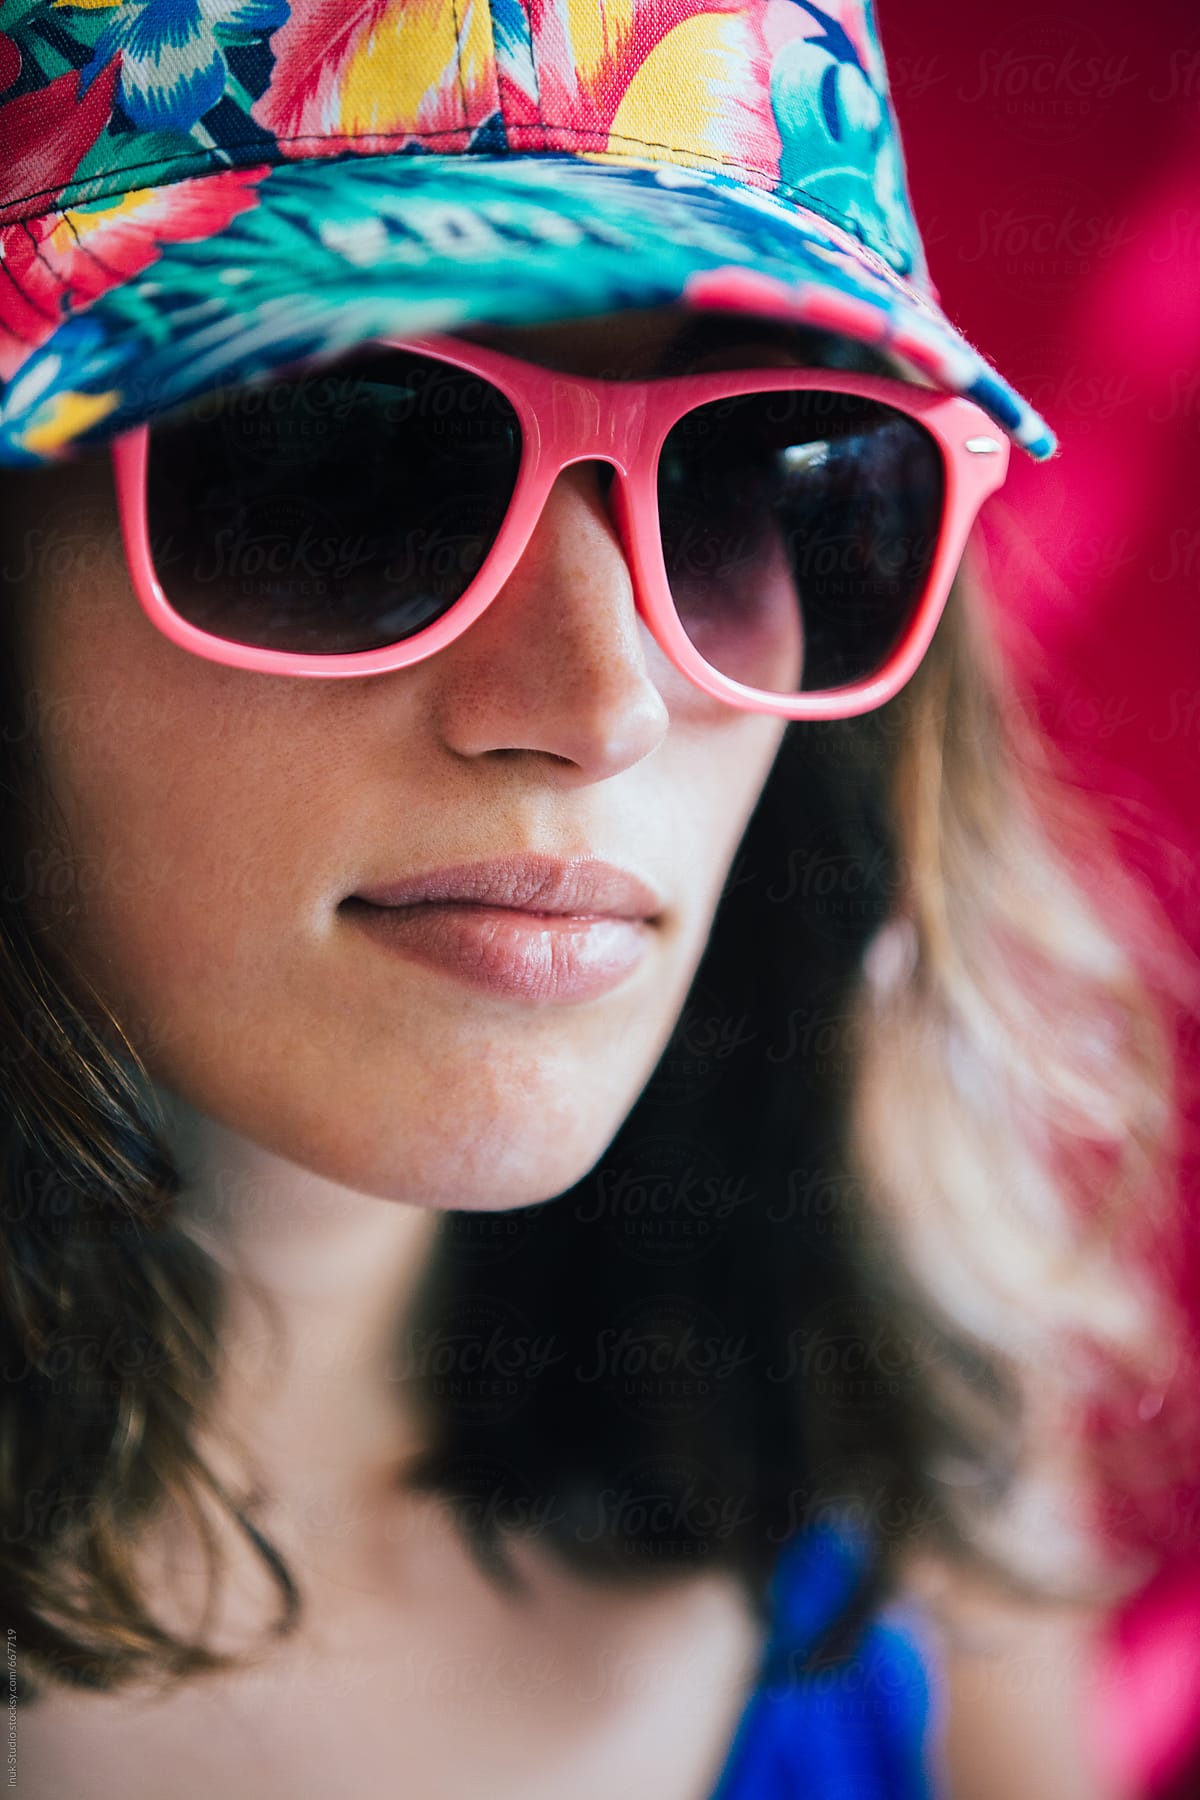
922	1078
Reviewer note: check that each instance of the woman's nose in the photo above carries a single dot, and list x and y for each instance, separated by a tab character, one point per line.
560	663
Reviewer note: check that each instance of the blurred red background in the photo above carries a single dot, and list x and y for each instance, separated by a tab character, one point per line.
1054	161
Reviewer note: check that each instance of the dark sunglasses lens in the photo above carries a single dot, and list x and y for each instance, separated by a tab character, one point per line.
339	510
798	532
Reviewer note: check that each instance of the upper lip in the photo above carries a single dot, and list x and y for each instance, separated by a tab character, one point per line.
527	883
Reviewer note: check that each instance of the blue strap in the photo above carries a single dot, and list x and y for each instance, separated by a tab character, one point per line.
854	1731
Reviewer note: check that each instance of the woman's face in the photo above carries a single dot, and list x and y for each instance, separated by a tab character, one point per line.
216	821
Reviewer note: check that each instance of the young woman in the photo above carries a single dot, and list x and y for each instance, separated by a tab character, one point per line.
537	1168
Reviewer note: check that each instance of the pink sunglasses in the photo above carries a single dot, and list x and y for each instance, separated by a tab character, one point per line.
792	534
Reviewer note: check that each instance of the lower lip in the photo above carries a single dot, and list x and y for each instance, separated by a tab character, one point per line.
515	954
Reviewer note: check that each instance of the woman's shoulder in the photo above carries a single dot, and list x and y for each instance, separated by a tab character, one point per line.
854	1726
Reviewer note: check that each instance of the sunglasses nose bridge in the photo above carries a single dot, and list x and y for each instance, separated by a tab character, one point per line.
593	421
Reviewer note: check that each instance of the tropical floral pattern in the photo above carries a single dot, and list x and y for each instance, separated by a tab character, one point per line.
197	190
173	64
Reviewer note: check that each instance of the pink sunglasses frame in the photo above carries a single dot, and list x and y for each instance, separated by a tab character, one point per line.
567	419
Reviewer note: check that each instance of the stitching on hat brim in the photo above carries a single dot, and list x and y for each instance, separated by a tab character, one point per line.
595	141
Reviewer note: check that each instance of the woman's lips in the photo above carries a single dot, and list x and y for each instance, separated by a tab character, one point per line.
509	951
531	881
529	925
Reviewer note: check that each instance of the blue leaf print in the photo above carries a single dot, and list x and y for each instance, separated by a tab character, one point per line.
173	67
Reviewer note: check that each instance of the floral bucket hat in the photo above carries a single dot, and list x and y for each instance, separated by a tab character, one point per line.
197	192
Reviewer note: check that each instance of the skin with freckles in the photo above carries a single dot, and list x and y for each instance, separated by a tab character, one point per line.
218	817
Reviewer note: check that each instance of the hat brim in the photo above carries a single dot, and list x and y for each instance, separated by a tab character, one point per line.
140	303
